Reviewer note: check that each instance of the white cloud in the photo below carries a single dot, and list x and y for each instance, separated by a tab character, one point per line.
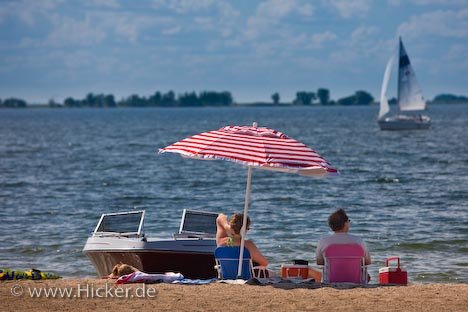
269	14
98	26
28	11
428	2
307	10
456	57
77	60
362	44
212	15
228	19
457	52
452	63
27	43
190	6
205	23
183	6
171	31
126	29
350	8
275	9
361	34
68	31
439	23
130	26
319	39
104	3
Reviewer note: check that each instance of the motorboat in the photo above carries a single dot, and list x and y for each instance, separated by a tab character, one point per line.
120	238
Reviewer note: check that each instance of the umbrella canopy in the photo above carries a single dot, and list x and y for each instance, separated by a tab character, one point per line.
254	147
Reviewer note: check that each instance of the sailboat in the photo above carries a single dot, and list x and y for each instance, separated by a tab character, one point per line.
410	100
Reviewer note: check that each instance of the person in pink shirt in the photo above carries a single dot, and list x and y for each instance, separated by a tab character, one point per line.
339	224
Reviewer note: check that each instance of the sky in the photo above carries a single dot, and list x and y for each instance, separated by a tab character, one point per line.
53	49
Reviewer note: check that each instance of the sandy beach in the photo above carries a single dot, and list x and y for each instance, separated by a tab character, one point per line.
103	295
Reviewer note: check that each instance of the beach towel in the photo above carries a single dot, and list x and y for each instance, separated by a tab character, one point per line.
188	281
33	274
147	278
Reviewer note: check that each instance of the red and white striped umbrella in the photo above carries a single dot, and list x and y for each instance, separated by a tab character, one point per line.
254	147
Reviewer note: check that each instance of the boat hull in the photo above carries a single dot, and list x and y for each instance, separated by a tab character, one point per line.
194	258
405	123
191	265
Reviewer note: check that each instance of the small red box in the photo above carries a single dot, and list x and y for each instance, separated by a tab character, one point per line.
294	271
388	275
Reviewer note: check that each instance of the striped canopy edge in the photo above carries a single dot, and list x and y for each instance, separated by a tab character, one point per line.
319	170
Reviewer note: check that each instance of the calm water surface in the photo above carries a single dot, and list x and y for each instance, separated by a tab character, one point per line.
406	192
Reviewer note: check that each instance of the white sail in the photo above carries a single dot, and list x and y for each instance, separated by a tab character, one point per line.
409	94
384	108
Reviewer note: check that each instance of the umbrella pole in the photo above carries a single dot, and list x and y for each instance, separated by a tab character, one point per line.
244	221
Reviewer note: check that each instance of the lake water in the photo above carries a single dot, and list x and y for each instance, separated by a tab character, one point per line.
405	192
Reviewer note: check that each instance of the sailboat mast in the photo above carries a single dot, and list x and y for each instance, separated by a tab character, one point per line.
402	62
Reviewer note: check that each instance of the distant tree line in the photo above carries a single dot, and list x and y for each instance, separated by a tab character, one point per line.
91	100
358	98
205	98
321	97
449	99
213	98
13	103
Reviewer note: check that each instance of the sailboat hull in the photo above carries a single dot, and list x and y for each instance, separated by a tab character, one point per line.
402	122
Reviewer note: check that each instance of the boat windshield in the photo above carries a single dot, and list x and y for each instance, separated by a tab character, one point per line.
123	223
197	224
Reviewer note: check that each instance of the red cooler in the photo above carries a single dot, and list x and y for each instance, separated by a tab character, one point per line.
388	275
294	271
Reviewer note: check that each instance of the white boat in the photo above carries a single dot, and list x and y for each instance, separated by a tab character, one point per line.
120	238
411	103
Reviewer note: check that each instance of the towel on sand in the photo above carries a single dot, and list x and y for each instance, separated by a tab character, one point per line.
141	277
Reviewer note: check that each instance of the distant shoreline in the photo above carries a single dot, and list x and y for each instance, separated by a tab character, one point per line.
219	99
236	105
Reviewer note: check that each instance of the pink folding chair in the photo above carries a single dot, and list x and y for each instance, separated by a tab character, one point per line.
344	263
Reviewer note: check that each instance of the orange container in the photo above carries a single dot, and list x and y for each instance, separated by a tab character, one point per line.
294	271
388	275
